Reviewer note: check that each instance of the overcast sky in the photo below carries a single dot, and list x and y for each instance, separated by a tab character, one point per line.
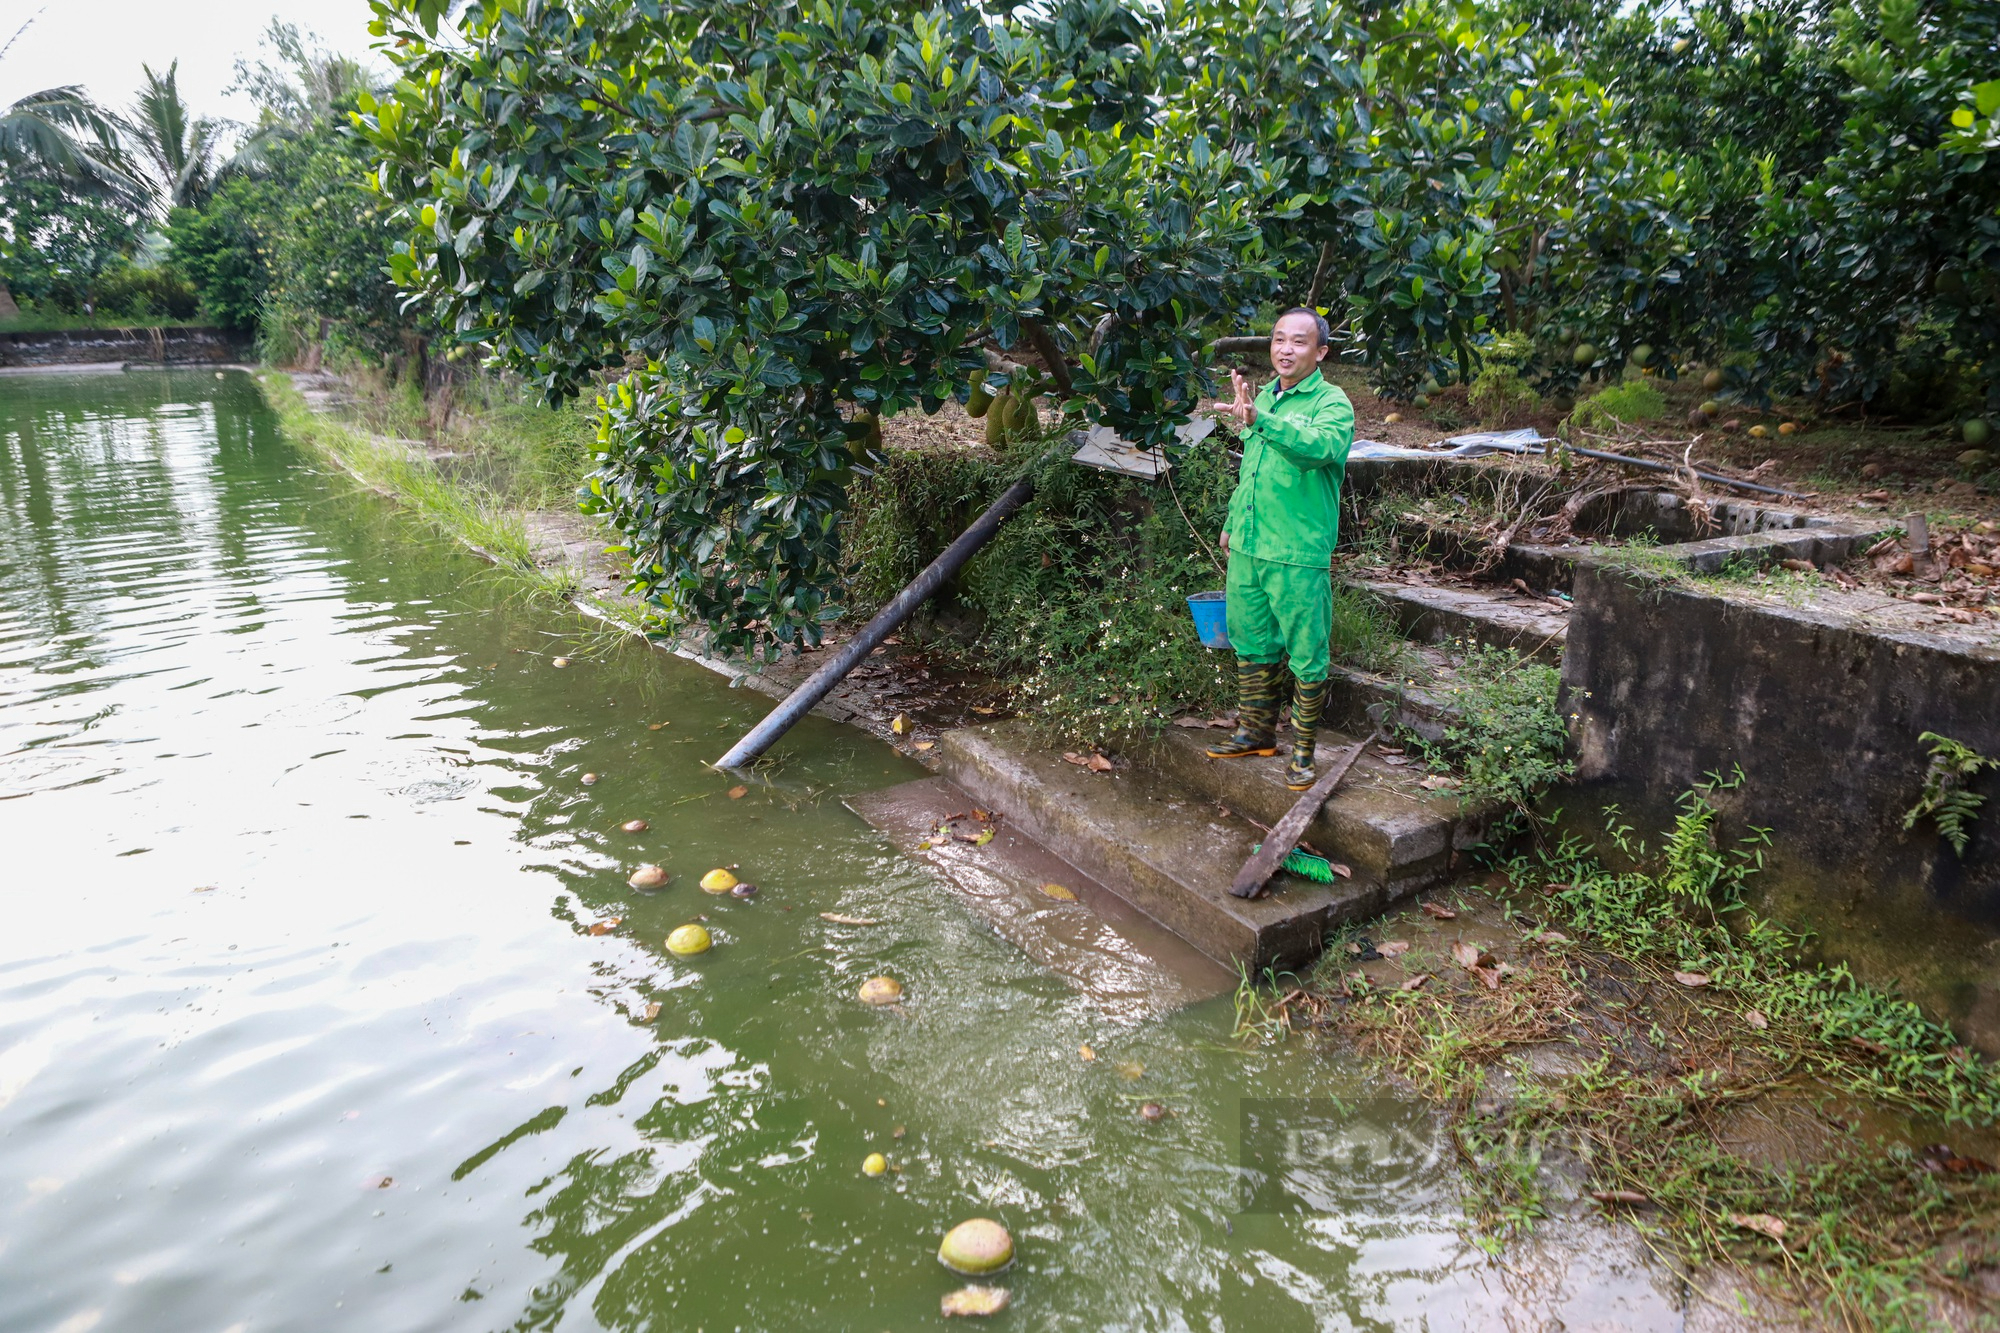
102	43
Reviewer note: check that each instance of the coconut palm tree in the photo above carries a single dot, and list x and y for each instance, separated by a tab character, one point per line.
178	149
62	133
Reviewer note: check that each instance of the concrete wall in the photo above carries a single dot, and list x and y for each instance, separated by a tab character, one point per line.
70	347
1666	683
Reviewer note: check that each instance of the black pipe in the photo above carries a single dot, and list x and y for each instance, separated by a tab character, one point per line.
1652	466
820	684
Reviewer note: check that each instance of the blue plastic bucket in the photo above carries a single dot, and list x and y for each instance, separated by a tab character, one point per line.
1211	618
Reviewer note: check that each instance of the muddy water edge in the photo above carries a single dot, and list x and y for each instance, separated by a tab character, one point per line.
324	1002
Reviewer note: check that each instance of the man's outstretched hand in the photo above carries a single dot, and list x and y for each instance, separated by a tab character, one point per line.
1243	409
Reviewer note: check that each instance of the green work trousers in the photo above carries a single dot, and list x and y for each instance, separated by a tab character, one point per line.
1278	610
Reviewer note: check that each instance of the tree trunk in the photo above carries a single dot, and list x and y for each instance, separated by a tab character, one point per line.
8	310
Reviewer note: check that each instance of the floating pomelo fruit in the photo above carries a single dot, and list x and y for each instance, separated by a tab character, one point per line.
649	877
975	1301
559	662
977	1247
743	891
881	990
635	826
718	881
874	1164
689	940
589	779
1152	1111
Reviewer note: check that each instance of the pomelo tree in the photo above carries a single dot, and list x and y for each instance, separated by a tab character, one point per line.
774	223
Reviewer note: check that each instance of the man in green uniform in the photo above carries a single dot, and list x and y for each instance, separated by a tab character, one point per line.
1283	520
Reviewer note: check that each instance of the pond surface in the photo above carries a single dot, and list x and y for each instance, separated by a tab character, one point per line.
304	1022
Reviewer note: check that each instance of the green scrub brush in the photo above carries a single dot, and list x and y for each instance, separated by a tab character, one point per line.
1305	865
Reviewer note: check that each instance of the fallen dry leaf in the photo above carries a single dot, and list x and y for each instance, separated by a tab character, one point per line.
1072	757
1467	955
1058	892
974	1301
840	919
1195	723
606	926
1438	782
1798	566
1439	911
983	711
1691	978
1087	1054
1552	937
1131	1070
900	724
1491	975
651	1012
1097	763
923	745
1756	1019
1393	948
738	793
1416	981
1619	1196
1762	1223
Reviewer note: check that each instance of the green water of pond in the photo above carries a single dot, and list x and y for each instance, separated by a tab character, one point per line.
304	1023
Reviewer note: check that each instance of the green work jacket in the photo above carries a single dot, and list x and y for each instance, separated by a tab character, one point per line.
1286	507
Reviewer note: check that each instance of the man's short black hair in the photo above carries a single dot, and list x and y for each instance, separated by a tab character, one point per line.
1319	322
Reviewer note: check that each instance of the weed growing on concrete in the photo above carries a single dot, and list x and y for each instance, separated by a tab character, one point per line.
1945	801
1506	739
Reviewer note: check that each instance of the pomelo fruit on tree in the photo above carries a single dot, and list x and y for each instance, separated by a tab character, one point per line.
1714	380
1976	432
1642	354
1584	354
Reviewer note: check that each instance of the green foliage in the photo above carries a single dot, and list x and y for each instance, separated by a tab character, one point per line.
1945	800
1619	404
220	250
1498	393
1507	740
56	242
802	216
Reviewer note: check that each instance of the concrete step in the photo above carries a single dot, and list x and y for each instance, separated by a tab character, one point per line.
1152	832
1381	822
1128	964
1439	613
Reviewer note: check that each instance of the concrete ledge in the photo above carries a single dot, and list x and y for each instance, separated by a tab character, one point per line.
1436	614
1171	855
1822	710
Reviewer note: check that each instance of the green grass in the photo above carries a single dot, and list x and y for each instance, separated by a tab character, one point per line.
463	509
1861	1233
39	323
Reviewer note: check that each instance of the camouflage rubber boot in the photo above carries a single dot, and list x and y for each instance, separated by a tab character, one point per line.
1256	713
1308	702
